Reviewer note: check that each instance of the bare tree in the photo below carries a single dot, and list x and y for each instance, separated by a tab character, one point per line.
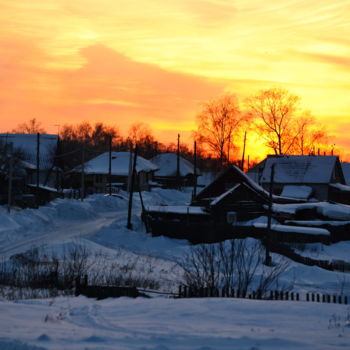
217	124
309	135
33	126
275	110
233	264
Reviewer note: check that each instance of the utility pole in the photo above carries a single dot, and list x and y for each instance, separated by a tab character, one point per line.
194	169
129	224
269	219
130	168
243	154
9	197
110	165
37	167
178	162
82	195
228	149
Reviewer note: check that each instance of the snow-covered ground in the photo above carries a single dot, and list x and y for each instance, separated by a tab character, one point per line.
172	324
99	224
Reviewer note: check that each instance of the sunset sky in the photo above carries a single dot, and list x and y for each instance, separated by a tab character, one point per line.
156	61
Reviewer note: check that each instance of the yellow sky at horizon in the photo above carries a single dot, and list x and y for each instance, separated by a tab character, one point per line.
156	61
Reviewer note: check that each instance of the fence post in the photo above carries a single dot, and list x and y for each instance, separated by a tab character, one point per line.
297	297
345	300
307	296
334	299
287	296
318	297
339	299
180	291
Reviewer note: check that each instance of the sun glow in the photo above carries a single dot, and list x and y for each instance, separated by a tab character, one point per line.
157	61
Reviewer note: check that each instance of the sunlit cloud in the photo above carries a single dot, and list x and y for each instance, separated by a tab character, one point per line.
158	60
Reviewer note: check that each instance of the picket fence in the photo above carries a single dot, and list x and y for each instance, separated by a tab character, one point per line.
189	292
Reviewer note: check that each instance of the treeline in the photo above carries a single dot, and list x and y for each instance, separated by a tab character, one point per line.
84	141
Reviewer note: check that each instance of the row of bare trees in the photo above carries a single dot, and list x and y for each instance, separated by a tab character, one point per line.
275	114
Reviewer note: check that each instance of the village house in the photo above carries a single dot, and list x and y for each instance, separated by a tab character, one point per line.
96	172
167	174
35	168
306	177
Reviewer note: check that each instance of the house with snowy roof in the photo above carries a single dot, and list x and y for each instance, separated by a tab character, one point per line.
37	153
96	172
167	174
34	172
305	177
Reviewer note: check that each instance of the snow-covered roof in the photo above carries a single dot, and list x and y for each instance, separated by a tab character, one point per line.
340	187
120	164
27	143
293	191
167	163
177	209
300	169
346	171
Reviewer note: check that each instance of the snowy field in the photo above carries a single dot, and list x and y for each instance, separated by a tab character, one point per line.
172	324
98	223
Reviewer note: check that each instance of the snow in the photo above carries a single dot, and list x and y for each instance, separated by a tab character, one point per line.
341	187
172	324
120	164
293	191
300	169
28	144
296	229
167	163
178	209
159	323
332	211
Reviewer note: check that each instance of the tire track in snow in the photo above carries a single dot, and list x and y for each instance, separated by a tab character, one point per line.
65	230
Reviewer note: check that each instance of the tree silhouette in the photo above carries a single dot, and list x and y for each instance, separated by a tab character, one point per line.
218	123
33	126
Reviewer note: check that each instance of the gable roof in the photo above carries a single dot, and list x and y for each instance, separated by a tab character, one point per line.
226	182
27	143
300	169
167	164
120	164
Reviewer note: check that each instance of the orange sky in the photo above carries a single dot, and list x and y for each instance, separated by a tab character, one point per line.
155	61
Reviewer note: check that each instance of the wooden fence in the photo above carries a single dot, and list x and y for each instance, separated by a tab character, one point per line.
333	265
188	292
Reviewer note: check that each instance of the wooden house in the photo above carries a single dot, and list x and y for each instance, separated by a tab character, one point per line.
167	174
304	177
96	172
35	160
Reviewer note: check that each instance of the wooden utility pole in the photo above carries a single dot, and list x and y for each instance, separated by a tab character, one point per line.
194	169
37	167
228	149
82	195
269	219
243	154
9	196
130	168
178	162
129	224
110	165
